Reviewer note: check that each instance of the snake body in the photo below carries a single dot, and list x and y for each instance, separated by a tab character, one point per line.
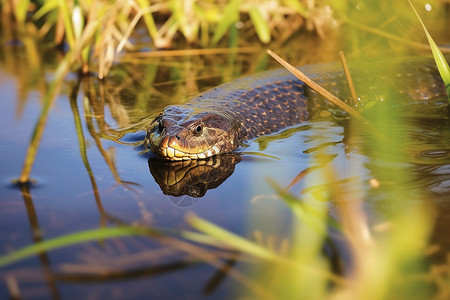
220	120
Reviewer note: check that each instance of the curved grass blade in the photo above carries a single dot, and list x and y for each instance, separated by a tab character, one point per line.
229	238
102	234
68	26
68	240
230	16
261	27
441	63
148	20
46	8
298	6
21	10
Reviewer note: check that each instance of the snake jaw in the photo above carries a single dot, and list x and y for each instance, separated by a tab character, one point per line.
169	149
177	155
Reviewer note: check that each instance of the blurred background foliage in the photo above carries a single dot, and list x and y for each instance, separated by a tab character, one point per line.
100	30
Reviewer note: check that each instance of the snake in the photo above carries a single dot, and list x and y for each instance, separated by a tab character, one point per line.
222	119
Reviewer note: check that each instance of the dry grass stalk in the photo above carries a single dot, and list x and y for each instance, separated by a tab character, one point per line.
316	87
349	79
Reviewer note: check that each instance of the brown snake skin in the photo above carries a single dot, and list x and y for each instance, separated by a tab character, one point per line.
221	119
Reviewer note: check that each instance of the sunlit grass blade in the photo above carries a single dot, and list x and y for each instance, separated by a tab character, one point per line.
302	211
441	63
148	19
77	21
230	16
21	10
102	234
68	27
298	6
261	26
229	238
68	240
46	8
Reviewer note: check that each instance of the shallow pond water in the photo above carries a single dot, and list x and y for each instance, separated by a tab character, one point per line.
89	174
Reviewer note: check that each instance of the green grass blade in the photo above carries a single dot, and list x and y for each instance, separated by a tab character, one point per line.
148	19
297	6
230	238
21	10
46	8
230	16
70	239
67	19
102	234
261	27
303	211
442	65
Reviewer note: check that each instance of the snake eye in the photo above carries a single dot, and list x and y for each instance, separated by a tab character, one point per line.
198	130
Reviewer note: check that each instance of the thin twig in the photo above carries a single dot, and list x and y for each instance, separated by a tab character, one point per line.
351	87
185	52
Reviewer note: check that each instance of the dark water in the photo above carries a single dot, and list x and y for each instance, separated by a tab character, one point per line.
123	189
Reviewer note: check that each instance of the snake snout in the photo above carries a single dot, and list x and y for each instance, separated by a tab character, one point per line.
171	148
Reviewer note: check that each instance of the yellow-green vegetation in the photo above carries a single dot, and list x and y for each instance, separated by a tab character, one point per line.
101	29
441	63
97	31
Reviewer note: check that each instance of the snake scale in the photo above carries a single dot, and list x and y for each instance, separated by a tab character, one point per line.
220	120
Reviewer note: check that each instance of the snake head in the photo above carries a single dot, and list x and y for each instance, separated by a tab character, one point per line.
180	133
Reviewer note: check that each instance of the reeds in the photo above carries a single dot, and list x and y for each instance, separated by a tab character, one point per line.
201	23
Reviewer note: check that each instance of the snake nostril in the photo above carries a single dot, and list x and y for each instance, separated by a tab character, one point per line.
178	137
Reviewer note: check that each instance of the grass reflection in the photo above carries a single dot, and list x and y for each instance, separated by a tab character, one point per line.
82	145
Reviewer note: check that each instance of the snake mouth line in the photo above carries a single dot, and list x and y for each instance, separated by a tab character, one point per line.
175	154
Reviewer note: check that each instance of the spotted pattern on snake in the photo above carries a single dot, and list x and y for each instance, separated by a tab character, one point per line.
221	119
